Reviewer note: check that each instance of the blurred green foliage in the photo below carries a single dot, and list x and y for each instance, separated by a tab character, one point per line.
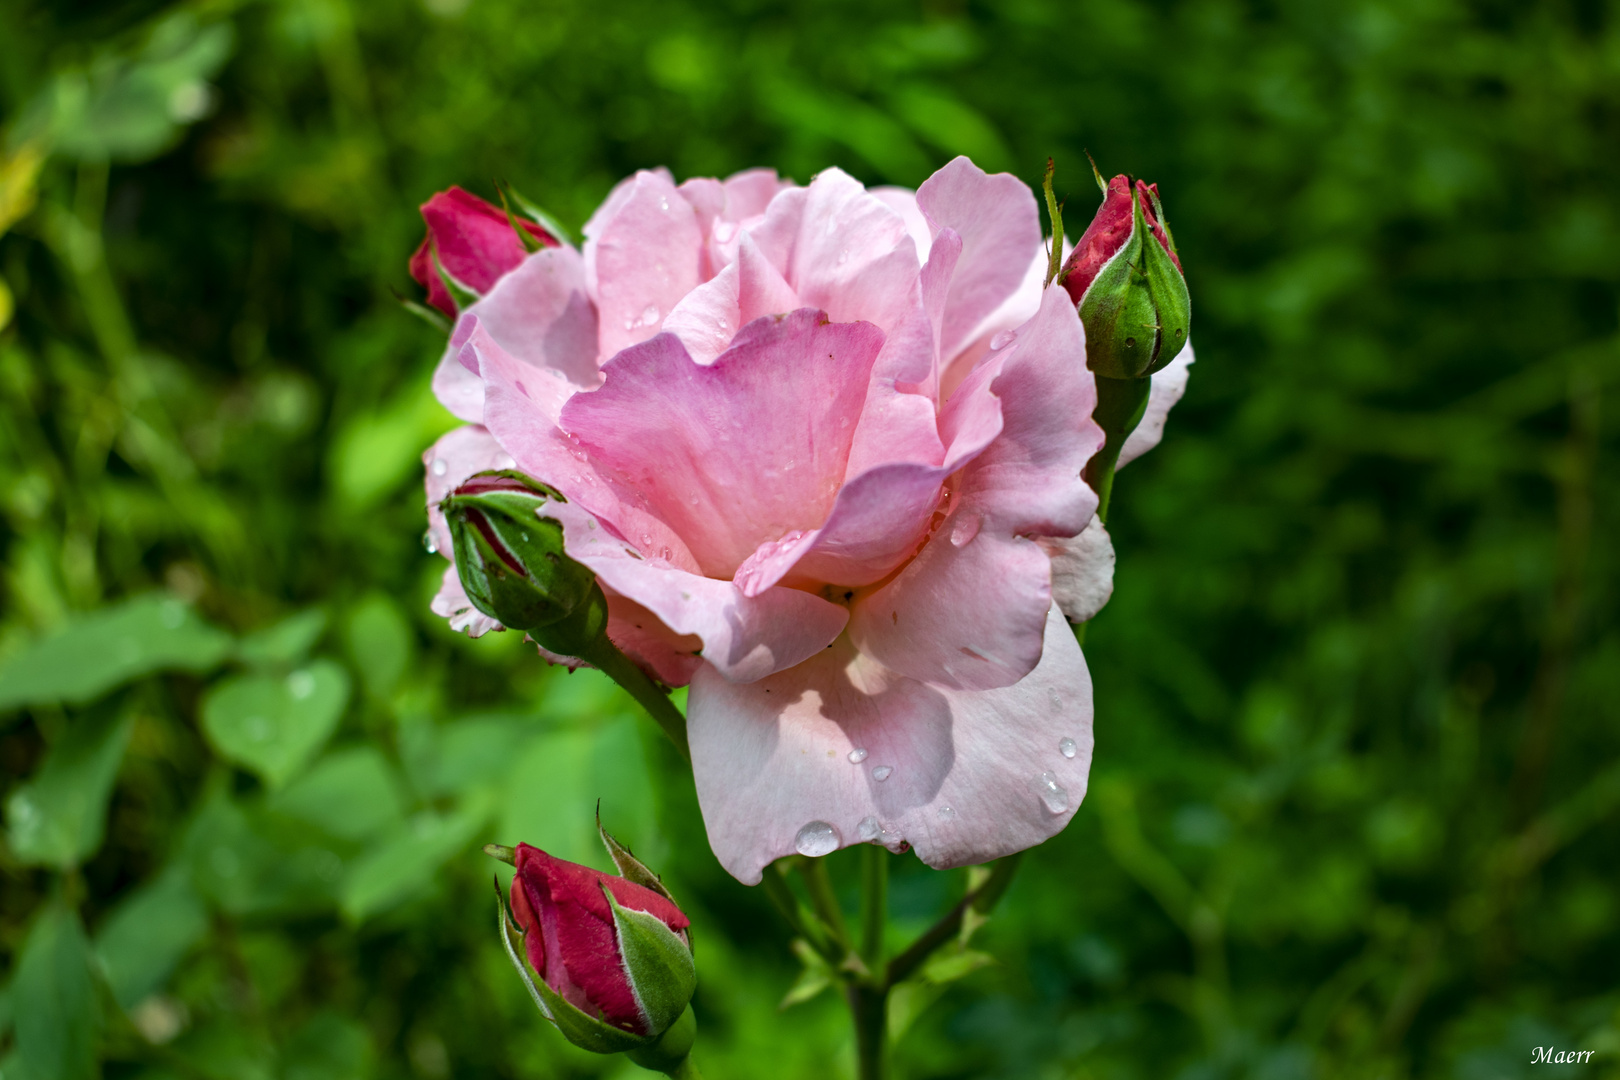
1356	803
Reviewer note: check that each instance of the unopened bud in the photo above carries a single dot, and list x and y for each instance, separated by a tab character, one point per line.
1126	281
511	559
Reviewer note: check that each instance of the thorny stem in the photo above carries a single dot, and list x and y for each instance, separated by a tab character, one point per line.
869	1005
605	655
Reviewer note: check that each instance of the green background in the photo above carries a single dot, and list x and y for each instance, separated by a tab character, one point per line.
1355	810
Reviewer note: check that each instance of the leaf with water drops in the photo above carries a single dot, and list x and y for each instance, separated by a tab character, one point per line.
109	647
273	724
58	818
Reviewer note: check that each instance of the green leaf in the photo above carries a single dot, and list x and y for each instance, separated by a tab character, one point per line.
53	995
247	865
381	447
381	641
286	643
658	963
273	725
59	817
149	933
404	862
352	794
108	648
815	977
327	1047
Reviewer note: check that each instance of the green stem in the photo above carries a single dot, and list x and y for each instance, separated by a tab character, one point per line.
869	1005
686	1069
981	900
1120	406
605	656
822	898
874	903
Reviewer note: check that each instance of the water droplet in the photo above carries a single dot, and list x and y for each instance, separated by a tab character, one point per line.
429	544
882	773
1003	339
1053	794
843	257
256	728
439	466
1066	747
817	839
966	528
665	554
946	813
1055	699
832	226
869	829
857	755
663	204
649	315
300	684
506	462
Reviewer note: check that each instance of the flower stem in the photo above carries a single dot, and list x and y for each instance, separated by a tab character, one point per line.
870	1007
686	1069
1120	405
981	900
874	904
824	900
605	656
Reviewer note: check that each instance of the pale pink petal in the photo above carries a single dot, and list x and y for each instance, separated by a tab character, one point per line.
457	455
451	603
744	638
711	314
646	257
738	452
903	201
968	776
540	314
749	192
876	523
1169	383
519	413
1024	483
1000	228
852	257
1082	571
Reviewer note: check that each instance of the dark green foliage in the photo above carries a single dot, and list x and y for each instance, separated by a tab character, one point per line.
1355	809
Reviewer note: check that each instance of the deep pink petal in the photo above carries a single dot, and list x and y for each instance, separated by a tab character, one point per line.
1000	228
539	314
1169	383
972	775
737	452
645	257
474	241
1024	483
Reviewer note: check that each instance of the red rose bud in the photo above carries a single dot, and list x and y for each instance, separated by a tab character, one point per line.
613	957
473	243
1125	279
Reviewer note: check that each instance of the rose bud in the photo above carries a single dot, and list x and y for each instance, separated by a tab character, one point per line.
612	954
1125	278
512	564
473	244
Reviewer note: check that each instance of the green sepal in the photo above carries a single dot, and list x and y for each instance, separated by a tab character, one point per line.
530	242
579	1028
511	560
460	295
1137	312
657	963
630	868
432	316
546	221
666	1053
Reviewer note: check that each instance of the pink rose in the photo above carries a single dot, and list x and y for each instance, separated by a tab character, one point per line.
812	441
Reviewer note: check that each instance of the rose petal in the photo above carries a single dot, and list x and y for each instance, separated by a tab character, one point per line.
539	314
645	256
708	318
852	256
973	775
744	638
738	452
474	242
1025	482
1000	228
1082	571
1169	383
